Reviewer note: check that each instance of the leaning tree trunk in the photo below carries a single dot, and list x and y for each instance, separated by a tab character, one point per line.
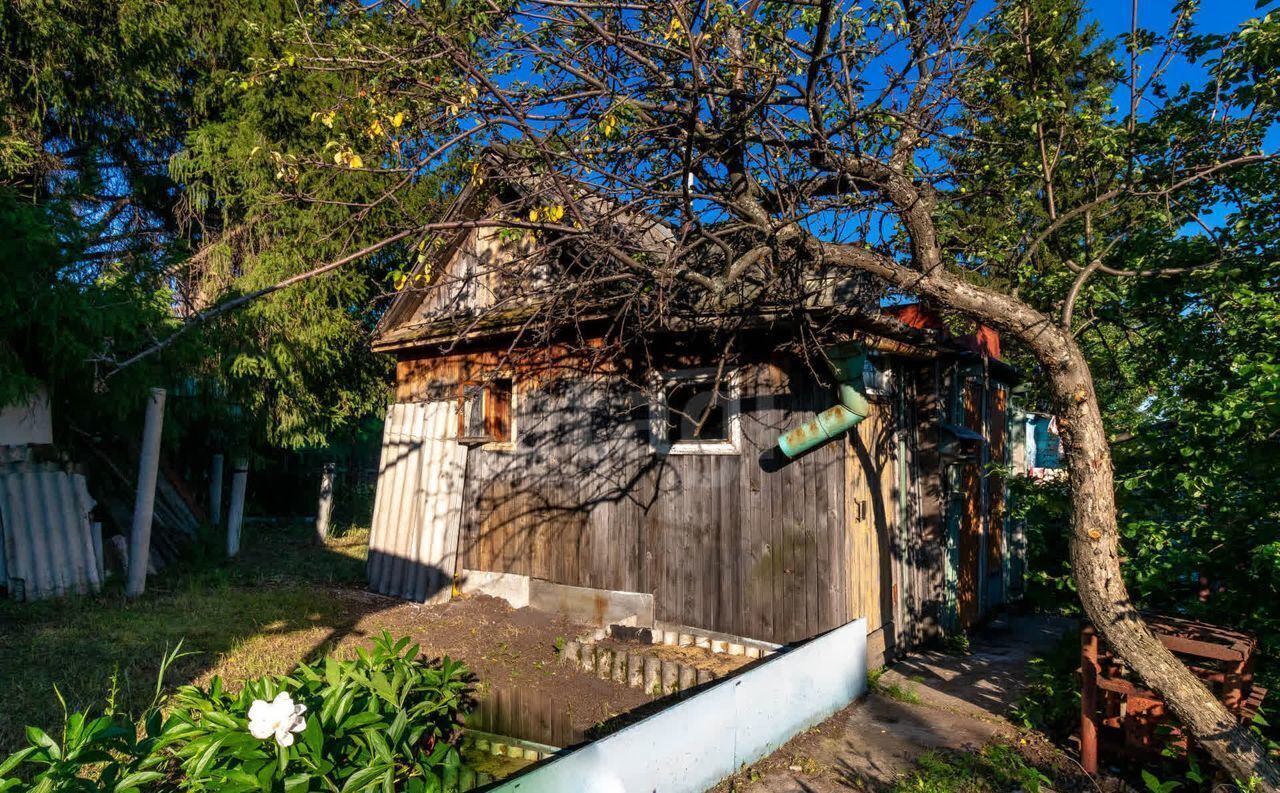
1095	536
1095	563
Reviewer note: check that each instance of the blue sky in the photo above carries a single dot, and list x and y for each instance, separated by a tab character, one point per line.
1214	16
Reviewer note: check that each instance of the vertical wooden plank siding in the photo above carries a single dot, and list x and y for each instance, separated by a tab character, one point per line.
871	484
864	556
968	583
723	542
924	595
997	423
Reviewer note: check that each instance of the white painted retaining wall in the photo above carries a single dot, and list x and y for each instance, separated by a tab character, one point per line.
691	746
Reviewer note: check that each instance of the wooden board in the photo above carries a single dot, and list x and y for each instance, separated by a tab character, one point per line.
872	504
997	423
923	540
968	575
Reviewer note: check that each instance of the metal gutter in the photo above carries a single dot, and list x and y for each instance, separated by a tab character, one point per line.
847	361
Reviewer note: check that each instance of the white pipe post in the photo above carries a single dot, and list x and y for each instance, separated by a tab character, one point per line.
235	510
215	490
145	500
324	510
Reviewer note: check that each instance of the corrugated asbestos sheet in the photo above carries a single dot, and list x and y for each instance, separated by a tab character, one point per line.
48	547
413	542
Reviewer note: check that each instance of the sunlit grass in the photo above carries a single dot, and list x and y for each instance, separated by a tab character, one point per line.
259	614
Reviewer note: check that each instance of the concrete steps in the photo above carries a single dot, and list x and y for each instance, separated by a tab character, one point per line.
640	661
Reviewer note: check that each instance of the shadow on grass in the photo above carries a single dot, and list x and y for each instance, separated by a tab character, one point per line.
284	599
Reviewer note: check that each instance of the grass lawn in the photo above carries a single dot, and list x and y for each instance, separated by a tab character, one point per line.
284	600
262	613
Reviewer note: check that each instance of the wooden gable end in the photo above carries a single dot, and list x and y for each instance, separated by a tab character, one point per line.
482	274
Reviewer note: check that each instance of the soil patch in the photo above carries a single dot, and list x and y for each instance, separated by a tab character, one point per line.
504	648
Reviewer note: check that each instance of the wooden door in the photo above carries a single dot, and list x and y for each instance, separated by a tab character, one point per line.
997	425
871	507
969	573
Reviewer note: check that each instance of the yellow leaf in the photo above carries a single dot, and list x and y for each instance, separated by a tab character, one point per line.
375	128
555	213
355	161
339	158
533	216
327	119
397	120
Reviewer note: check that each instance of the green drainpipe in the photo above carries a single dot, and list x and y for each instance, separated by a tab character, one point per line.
847	361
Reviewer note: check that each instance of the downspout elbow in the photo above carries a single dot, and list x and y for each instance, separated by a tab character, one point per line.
846	363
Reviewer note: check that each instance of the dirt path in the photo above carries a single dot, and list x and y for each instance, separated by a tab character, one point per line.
925	702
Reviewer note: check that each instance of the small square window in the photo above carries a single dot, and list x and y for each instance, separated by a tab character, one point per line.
484	412
877	376
691	413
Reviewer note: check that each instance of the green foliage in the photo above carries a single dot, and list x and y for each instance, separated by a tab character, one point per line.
128	204
896	691
83	255
1043	508
107	753
873	677
995	768
956	643
1184	363
385	720
55	320
265	130
1051	701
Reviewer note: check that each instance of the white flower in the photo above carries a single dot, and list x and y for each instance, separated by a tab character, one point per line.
280	717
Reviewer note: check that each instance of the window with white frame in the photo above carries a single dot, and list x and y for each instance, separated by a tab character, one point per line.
877	376
695	411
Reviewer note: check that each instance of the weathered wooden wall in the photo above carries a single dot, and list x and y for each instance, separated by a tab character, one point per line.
723	542
872	502
920	542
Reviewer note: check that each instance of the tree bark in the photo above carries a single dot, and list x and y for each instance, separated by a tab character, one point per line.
1095	564
1095	537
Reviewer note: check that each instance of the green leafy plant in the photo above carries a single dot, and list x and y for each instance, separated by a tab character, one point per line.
956	644
995	767
1155	785
384	720
122	753
1051	701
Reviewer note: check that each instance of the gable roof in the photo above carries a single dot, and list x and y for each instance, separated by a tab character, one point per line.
457	292
456	289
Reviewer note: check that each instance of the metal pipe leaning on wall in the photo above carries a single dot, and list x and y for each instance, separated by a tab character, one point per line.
145	499
847	362
235	510
324	509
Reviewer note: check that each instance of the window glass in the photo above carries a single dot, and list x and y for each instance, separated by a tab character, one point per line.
877	376
497	413
691	414
484	411
695	412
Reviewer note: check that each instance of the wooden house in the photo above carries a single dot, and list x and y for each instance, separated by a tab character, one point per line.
652	490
